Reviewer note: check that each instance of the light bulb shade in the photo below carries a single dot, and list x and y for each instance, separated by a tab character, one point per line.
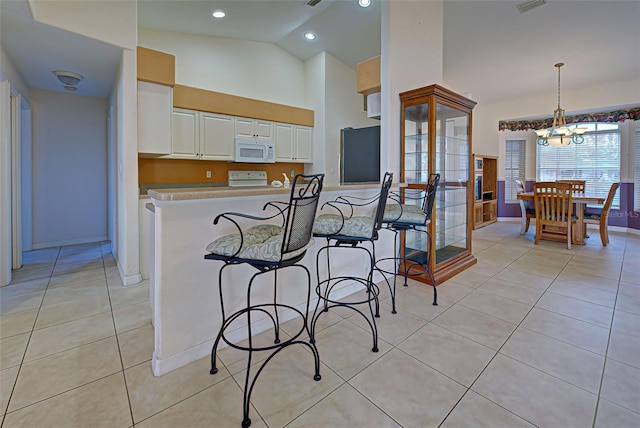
68	78
580	130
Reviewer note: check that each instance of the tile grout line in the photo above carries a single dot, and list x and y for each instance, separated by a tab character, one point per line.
498	352
6	410
604	366
115	331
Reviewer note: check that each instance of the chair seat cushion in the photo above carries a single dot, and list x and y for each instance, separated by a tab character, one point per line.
530	211
357	226
405	213
262	242
590	215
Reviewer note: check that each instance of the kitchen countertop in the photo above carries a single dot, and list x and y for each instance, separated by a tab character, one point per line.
192	193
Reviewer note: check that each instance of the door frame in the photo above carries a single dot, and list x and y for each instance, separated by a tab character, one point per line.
16	182
5	183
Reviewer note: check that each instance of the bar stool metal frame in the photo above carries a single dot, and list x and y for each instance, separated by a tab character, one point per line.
292	241
403	216
346	233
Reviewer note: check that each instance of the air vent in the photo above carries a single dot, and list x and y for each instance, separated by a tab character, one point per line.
312	2
526	6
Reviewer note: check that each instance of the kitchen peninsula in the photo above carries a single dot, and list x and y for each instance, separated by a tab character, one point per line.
184	286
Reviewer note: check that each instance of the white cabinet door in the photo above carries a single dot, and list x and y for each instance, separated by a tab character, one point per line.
303	147
216	137
154	118
263	129
184	135
284	142
244	127
253	128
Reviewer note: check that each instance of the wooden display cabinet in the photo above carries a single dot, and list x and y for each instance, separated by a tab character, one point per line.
436	137
485	208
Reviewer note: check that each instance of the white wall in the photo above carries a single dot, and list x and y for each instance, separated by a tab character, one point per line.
113	22
412	57
125	101
257	70
9	72
69	168
315	99
343	108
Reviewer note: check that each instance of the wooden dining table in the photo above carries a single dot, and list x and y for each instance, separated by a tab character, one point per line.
580	200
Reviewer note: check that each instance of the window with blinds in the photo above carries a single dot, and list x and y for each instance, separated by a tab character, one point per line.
636	181
513	168
596	160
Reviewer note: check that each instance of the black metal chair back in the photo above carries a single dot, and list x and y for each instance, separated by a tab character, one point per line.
430	197
382	202
298	227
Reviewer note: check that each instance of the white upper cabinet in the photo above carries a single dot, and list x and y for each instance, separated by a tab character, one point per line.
155	103
211	136
254	128
284	142
185	135
200	135
303	139
217	137
293	143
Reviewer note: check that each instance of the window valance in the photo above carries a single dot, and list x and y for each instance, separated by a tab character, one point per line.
632	113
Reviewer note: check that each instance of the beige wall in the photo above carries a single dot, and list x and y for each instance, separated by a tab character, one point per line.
69	168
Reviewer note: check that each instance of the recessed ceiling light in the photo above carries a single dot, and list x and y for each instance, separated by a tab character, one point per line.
309	35
364	3
218	14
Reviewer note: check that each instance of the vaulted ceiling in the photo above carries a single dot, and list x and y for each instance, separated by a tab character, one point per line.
491	50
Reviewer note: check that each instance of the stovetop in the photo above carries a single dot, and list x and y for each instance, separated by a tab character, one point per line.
247	178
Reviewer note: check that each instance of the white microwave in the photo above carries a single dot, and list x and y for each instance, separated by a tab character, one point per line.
255	151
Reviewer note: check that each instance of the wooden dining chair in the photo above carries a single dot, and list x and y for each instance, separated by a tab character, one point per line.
594	215
527	212
554	211
577	186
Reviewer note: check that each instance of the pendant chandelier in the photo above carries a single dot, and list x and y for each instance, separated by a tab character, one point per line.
560	134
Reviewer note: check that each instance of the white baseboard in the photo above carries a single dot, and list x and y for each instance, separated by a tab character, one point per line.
69	242
128	279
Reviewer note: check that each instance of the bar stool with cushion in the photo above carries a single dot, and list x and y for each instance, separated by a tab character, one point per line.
600	216
346	231
527	212
268	247
412	211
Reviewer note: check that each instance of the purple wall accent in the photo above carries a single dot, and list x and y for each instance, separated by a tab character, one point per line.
510	210
623	217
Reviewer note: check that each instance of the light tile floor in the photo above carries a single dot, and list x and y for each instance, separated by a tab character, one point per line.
529	336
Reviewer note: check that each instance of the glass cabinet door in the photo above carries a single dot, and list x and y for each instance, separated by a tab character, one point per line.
416	171
452	162
416	143
436	138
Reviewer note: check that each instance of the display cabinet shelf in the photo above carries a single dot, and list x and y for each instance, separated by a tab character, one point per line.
436	138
